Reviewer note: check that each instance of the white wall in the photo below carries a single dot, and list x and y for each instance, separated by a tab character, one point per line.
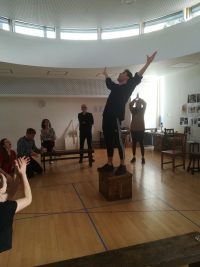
18	114
175	89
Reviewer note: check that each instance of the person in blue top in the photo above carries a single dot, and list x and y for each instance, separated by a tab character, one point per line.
26	147
114	113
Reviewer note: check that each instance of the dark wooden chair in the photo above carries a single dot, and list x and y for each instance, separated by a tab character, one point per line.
169	132
175	155
194	158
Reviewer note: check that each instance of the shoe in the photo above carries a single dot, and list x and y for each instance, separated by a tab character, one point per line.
106	168
120	170
133	160
143	161
80	161
93	160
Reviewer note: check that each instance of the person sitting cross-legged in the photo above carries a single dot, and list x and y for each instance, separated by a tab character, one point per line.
26	147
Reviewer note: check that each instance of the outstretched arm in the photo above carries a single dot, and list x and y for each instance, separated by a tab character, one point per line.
148	62
22	203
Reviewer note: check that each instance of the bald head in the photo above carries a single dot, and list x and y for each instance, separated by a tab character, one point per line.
84	108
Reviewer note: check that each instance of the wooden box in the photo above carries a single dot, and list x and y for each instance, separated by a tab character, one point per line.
115	187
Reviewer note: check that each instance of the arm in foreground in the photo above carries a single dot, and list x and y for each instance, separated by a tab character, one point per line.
23	202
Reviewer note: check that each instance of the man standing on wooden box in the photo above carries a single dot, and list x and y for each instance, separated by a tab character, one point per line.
114	113
85	129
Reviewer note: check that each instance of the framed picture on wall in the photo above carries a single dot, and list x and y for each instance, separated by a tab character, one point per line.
191	109
198	122
198	98
184	109
192	98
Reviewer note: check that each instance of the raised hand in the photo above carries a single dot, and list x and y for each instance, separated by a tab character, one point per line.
104	72
151	58
21	163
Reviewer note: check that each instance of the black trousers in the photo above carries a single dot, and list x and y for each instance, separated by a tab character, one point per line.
137	136
33	167
85	135
48	144
112	136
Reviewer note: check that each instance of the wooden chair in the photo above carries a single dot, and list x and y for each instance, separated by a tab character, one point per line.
169	132
194	158
176	154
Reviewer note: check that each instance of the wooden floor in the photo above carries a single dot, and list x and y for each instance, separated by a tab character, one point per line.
69	217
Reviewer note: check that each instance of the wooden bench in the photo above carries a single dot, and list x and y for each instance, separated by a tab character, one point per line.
173	251
66	154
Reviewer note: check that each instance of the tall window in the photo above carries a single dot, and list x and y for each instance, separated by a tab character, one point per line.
50	32
4	24
195	11
164	22
34	30
149	91
73	34
127	31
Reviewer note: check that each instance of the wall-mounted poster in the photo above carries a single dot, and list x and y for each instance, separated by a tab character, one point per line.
191	109
192	98
184	109
184	121
198	98
198	108
194	121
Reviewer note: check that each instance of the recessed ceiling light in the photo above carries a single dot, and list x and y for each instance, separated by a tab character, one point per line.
128	2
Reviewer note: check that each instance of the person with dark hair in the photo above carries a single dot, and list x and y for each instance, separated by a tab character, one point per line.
8	208
7	166
26	147
86	121
114	113
137	107
47	135
7	158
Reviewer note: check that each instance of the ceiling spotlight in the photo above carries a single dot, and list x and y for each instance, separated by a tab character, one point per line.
128	2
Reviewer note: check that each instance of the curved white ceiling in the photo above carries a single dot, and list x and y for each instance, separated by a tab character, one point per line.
177	41
90	13
172	42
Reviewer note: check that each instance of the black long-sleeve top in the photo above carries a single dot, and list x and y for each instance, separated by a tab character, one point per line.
85	121
119	95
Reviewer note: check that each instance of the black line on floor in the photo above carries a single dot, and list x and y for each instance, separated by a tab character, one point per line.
90	218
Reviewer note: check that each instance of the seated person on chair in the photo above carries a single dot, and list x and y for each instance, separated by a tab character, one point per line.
26	147
47	135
